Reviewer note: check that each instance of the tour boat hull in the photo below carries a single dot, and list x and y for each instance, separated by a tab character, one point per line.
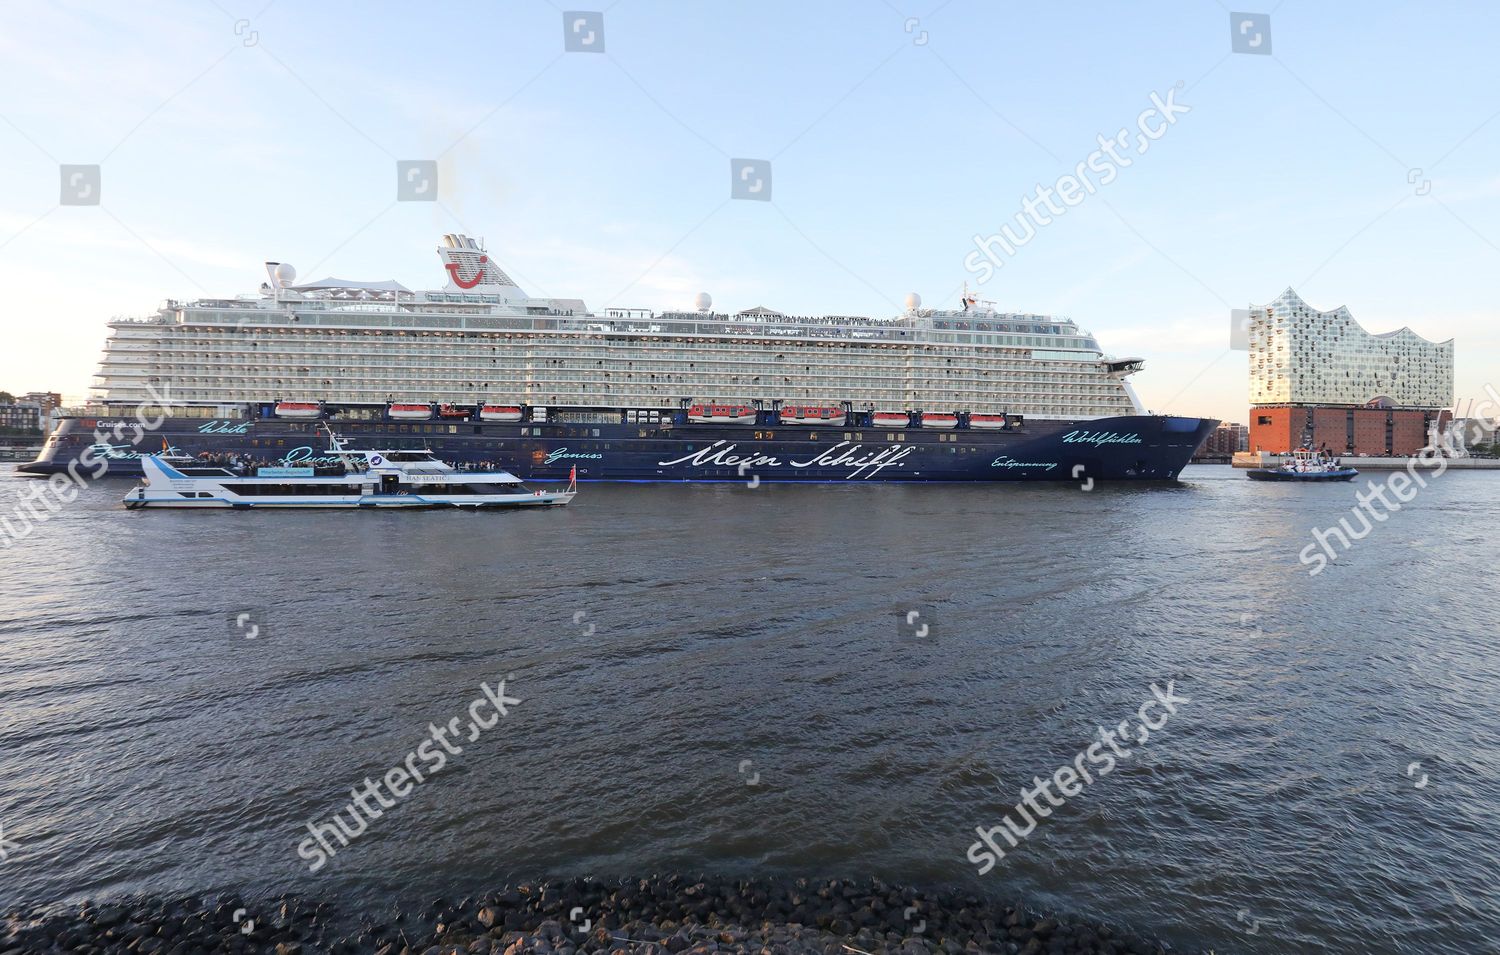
137	500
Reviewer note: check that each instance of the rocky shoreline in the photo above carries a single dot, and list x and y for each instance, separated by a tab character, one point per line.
654	916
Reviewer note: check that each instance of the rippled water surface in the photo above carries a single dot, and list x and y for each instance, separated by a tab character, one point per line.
1334	783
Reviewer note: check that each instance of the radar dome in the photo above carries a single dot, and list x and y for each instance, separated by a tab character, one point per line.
285	274
703	302
913	300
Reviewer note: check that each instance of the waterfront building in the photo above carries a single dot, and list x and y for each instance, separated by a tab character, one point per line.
1319	379
49	401
1223	442
21	417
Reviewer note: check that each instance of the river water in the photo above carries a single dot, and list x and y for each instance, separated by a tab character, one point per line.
799	680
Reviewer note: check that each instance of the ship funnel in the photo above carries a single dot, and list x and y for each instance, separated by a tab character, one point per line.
469	268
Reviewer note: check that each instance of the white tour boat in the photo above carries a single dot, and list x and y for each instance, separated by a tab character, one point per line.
368	479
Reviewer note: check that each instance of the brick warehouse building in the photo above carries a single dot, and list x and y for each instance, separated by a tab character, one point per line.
1318	379
1380	432
1222	444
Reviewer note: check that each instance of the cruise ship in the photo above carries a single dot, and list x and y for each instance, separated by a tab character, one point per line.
482	374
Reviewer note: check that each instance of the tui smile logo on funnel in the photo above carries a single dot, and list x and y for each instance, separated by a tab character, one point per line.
461	282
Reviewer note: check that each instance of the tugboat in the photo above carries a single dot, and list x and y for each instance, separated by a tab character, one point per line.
1305	464
360	479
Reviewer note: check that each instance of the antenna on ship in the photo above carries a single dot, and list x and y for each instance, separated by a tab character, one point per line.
335	443
282	276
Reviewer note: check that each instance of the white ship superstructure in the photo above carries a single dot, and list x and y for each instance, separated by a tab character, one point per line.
482	339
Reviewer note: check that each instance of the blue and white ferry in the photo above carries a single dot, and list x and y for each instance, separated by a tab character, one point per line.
359	479
481	374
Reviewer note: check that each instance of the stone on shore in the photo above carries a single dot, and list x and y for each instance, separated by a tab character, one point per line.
665	915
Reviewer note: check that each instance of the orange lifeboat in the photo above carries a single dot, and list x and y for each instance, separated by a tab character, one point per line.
297	409
411	412
812	414
500	413
891	419
933	419
987	421
721	414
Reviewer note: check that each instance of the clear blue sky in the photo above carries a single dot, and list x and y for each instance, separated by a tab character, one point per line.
892	144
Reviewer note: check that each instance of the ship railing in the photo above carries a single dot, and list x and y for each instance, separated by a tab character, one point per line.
326	315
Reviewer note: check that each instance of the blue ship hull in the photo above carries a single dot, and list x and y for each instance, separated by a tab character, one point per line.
611	446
